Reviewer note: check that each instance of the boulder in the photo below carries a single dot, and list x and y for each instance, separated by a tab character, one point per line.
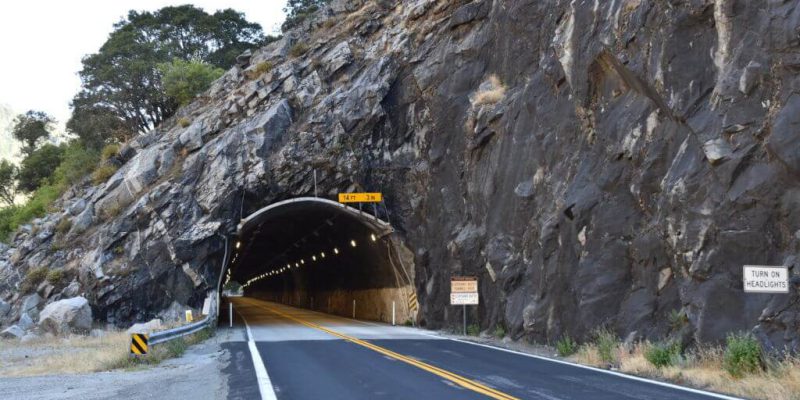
717	151
4	308
64	316
25	322
147	327
30	305
12	332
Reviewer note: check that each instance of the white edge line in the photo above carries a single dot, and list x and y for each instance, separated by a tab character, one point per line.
264	383
605	371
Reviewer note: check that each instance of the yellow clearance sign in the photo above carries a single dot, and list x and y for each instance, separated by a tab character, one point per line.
360	197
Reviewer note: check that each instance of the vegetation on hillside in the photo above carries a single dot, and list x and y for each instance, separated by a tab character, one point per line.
152	63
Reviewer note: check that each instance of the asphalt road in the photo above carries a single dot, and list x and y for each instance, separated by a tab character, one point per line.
310	355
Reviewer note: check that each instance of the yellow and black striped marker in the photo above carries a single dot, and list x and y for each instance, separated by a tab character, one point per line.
412	302
139	344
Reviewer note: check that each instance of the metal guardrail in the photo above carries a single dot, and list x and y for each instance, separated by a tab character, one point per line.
174	333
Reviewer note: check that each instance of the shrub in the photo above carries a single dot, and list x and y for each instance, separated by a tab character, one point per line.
742	355
663	354
101	174
566	346
55	277
64	225
499	331
606	342
298	50
260	69
110	150
677	319
491	92
118	250
78	162
408	322
33	278
184	122
183	80
473	329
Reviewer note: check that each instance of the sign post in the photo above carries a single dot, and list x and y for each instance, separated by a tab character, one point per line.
765	279
463	292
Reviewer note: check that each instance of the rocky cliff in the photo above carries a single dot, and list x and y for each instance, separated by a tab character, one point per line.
606	163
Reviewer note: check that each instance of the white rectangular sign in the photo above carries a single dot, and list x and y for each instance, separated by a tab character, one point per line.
457	299
763	279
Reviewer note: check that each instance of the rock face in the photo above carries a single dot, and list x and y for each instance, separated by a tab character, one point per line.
66	316
612	164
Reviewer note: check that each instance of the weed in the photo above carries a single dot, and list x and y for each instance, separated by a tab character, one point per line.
118	250
33	278
110	150
298	50
499	331
64	225
606	342
491	92
677	319
184	122
263	68
55	277
743	355
566	346
473	329
101	174
408	322
663	354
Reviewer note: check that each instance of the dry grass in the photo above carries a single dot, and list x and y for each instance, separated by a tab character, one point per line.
83	354
72	355
703	369
491	92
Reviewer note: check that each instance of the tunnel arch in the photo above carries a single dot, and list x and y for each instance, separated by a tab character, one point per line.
317	253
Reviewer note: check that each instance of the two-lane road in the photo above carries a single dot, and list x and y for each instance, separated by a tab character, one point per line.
310	355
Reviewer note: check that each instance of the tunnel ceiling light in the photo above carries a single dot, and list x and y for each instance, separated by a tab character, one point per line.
322	254
353	243
373	237
238	244
313	258
302	262
335	250
297	265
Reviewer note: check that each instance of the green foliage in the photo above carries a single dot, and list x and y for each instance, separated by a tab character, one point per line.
473	330
38	166
298	50
499	331
606	342
110	150
78	161
184	122
8	182
566	346
102	173
123	76
96	124
663	354
408	322
55	277
677	319
118	250
260	69
32	279
298	10
64	225
743	355
31	128
184	80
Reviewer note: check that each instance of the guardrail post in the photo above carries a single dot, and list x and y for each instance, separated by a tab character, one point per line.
354	308
230	314
393	314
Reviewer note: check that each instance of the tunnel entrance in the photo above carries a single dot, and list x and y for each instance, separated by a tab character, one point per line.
319	254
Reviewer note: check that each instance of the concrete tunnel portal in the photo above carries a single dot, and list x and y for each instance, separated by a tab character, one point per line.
319	254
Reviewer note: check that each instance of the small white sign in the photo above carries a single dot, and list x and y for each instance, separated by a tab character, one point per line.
457	299
763	279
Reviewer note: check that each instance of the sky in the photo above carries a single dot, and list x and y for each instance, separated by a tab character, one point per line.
42	43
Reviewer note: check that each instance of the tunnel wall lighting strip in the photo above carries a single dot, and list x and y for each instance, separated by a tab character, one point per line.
277	271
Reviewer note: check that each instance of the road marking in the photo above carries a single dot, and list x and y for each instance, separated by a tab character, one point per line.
605	371
457	379
264	383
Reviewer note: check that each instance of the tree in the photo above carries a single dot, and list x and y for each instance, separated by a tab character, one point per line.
30	128
8	182
183	80
96	125
123	76
298	10
38	167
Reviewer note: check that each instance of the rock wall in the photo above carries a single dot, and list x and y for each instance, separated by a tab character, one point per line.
607	163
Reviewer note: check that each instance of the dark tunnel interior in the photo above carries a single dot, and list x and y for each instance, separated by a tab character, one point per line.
297	251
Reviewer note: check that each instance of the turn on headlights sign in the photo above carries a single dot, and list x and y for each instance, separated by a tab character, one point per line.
763	279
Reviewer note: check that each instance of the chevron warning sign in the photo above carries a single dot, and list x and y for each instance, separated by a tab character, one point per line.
139	344
412	302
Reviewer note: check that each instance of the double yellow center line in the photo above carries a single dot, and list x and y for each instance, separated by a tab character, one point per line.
457	379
